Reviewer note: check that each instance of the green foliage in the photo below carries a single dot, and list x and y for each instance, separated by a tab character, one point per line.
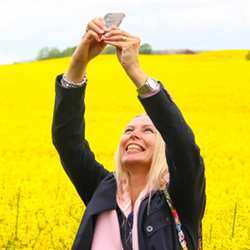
145	48
109	50
68	51
47	52
43	53
53	52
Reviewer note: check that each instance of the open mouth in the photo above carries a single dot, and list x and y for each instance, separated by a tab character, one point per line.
133	147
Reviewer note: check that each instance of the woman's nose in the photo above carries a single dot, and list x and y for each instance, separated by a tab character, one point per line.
134	134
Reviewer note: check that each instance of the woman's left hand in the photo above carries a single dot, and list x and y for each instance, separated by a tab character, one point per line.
127	47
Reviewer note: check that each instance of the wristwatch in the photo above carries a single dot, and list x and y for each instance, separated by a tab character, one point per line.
150	86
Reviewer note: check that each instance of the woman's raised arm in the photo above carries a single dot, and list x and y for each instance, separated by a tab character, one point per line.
186	166
68	127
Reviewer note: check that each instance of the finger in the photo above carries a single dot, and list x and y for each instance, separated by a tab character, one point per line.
93	26
117	44
117	38
101	24
117	32
94	35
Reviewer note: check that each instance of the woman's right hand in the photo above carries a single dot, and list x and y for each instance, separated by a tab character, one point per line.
92	45
89	47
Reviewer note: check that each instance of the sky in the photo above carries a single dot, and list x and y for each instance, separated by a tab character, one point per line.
27	26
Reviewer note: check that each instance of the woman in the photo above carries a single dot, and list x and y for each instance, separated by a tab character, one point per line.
130	208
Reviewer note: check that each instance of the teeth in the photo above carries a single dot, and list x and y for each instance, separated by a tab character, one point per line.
133	147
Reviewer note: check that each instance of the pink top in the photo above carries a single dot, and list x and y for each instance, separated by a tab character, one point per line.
107	230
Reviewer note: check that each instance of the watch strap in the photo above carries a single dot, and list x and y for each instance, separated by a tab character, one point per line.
150	88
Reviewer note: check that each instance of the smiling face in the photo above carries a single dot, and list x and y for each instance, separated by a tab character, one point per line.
138	142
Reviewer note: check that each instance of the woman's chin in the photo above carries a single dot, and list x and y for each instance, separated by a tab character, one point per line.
132	160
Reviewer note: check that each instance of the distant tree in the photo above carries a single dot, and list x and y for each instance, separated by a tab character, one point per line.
68	51
248	56
47	52
43	53
54	52
109	50
145	48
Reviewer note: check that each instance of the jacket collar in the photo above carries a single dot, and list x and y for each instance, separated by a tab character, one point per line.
104	197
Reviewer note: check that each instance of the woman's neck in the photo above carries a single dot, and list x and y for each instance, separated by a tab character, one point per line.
137	183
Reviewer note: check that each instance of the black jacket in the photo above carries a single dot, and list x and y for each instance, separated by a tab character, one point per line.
97	187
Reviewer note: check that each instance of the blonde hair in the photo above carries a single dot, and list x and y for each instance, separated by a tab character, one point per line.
156	174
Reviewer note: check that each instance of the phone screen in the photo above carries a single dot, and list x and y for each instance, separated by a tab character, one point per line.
113	19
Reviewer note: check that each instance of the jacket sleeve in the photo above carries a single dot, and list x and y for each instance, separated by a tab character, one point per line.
68	137
186	166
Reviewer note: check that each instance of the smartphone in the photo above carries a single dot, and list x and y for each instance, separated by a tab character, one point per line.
113	19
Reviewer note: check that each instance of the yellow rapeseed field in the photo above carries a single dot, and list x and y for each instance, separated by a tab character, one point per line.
39	207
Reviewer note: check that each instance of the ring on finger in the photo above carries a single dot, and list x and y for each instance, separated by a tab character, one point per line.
124	38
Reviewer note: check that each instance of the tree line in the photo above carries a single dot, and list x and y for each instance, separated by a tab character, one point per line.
146	48
53	52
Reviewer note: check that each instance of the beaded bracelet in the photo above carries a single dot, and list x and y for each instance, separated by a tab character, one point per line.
70	84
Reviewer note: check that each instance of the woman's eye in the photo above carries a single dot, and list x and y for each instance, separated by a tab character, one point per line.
149	130
127	130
